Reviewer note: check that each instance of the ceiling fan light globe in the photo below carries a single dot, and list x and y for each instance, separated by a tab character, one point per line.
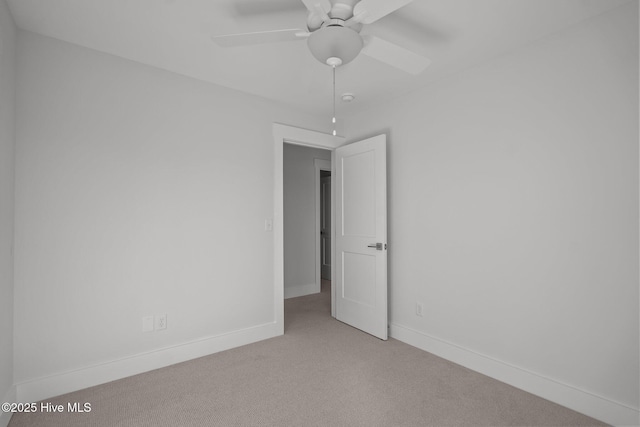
335	42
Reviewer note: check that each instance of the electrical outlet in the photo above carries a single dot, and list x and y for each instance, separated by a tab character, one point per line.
147	324
419	309
161	322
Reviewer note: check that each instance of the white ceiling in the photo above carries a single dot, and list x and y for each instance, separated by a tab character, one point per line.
175	35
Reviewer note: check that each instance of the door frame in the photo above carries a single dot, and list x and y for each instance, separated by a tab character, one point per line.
321	165
292	135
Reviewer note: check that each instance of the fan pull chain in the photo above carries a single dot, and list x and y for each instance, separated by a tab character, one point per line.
334	101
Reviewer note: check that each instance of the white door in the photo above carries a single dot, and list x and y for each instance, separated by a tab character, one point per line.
325	227
361	235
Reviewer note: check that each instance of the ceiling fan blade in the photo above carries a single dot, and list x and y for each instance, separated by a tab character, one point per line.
394	55
369	11
260	37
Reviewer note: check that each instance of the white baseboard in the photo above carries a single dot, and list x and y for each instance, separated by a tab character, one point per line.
10	397
597	407
300	291
66	382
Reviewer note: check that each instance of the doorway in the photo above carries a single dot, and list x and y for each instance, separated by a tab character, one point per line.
307	239
288	134
361	162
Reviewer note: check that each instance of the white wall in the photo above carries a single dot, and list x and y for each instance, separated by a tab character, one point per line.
513	194
138	192
300	219
7	143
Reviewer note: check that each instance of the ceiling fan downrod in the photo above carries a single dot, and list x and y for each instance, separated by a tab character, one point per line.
333	67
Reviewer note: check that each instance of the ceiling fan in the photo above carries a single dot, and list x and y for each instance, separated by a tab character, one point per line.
333	34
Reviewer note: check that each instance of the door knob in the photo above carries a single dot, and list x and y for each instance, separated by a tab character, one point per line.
378	246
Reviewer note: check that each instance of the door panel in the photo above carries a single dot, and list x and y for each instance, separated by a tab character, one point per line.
361	223
359	195
358	274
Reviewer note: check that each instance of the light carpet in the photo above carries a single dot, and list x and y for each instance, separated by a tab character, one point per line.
320	373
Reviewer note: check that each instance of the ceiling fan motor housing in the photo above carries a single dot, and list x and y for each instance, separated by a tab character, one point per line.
340	9
343	9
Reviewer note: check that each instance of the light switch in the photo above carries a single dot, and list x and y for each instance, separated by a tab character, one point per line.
268	224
